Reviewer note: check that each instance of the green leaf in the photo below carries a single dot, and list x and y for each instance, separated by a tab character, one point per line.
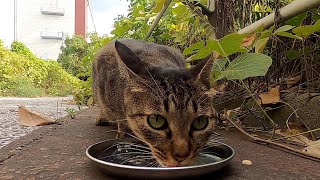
289	35
194	47
219	64
260	45
297	20
202	53
304	31
316	26
232	44
180	10
315	17
159	5
292	54
267	33
283	29
248	65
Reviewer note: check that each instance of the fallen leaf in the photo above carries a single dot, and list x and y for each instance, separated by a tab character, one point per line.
313	149
247	41
246	162
271	97
28	117
301	139
291	81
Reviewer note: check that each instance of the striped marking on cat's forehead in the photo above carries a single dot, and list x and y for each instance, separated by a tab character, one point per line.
178	96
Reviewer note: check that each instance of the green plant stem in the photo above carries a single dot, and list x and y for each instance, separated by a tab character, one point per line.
303	122
247	89
256	139
159	15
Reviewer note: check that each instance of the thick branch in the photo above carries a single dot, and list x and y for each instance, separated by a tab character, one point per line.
204	9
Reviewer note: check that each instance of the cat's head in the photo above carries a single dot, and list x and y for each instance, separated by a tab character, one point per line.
168	108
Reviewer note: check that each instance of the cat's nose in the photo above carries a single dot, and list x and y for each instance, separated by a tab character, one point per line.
180	150
180	158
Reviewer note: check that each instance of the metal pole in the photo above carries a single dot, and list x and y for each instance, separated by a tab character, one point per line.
295	8
15	20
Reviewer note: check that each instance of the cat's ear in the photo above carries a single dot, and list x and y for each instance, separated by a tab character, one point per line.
201	72
130	59
137	69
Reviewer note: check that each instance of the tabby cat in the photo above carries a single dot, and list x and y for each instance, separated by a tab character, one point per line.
145	87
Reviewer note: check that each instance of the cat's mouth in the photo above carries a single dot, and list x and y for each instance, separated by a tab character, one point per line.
169	160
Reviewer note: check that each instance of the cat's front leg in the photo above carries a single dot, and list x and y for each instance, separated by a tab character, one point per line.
104	122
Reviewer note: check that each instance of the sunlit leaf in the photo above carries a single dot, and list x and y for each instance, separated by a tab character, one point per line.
283	29
202	53
159	5
247	65
194	47
232	44
261	44
289	35
316	26
266	33
219	64
304	31
180	10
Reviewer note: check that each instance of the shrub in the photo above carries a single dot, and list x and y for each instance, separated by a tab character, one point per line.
23	74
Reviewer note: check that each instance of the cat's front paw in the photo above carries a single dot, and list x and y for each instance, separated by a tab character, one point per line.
104	122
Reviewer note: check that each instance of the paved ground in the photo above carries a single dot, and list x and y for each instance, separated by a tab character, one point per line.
10	129
58	152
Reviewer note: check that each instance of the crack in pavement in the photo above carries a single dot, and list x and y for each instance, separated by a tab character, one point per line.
25	146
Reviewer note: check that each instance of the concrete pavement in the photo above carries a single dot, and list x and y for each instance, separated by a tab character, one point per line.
58	152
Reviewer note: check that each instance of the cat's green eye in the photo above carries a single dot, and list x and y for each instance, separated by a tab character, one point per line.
157	122
200	123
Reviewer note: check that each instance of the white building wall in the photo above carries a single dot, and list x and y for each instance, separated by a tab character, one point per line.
31	22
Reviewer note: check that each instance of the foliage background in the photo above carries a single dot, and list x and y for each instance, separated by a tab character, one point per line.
23	74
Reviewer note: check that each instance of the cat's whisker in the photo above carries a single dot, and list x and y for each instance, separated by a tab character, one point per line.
133	159
155	164
151	163
162	95
203	100
136	147
200	97
205	147
218	140
153	90
131	135
127	154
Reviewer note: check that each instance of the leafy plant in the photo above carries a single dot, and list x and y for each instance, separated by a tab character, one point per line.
71	112
23	74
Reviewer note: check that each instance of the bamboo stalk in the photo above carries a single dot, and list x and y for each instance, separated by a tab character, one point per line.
295	8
